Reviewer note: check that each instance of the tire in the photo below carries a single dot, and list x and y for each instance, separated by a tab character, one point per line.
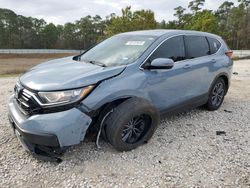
103	131
131	124
216	95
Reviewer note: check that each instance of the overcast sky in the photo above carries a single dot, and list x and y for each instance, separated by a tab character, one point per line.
62	11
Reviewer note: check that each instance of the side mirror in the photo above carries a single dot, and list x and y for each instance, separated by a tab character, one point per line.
77	58
161	63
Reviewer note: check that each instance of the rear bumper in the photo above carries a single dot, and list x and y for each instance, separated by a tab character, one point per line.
53	130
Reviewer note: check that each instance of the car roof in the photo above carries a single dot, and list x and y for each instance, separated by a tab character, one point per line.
169	32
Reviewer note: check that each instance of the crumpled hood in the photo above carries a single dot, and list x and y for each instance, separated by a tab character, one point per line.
65	73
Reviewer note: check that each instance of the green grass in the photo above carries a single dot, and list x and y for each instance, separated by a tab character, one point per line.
9	75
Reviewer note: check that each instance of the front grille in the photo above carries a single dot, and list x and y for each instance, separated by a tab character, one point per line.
26	103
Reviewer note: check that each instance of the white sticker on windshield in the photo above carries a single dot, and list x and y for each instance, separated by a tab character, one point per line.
135	43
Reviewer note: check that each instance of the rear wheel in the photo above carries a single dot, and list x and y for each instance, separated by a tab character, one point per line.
131	124
216	95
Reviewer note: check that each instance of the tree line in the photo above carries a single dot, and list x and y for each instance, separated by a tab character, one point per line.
231	21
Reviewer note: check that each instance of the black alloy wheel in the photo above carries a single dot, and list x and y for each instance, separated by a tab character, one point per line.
135	129
218	94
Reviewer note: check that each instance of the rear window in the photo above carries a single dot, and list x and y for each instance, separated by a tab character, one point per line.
196	46
214	45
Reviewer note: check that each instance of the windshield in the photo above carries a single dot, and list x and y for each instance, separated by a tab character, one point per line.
118	50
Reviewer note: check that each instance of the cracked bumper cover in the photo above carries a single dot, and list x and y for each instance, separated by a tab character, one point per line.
58	129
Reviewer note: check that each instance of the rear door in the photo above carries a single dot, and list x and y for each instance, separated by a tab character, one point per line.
199	62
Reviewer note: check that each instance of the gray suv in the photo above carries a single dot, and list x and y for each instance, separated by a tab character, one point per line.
119	89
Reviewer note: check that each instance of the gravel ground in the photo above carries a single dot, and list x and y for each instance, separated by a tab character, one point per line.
184	152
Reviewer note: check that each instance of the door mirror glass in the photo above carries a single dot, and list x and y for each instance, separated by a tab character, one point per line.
162	63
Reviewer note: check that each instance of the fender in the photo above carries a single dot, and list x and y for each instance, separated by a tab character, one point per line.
224	75
119	95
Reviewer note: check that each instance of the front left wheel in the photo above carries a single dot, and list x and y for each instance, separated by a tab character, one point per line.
131	124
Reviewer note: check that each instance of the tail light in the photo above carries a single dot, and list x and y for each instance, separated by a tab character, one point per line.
229	53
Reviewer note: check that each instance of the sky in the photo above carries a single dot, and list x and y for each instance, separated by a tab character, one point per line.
62	11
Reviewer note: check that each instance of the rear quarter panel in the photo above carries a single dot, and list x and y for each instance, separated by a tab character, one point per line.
223	65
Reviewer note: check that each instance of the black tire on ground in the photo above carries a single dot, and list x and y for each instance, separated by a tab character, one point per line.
216	95
131	124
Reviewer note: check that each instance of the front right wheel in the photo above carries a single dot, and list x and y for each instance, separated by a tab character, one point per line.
131	124
216	95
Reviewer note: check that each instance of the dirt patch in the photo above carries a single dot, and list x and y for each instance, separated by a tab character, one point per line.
20	63
36	56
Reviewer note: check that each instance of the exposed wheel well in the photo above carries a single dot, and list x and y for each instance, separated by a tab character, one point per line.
104	109
108	106
99	114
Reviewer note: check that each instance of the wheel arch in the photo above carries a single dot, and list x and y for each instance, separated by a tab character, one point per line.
225	77
108	105
104	108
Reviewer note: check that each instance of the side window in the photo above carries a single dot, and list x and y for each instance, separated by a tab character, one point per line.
172	48
214	45
197	46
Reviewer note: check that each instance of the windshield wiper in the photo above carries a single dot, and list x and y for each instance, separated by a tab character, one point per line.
97	63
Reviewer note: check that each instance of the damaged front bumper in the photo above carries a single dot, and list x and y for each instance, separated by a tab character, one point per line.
46	135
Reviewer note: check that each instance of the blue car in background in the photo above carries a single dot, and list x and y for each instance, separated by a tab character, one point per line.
119	89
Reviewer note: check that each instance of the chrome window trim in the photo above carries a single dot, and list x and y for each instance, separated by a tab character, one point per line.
141	68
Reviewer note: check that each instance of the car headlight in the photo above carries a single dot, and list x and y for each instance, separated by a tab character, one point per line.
67	96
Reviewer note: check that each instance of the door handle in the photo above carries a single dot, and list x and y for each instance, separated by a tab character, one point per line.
213	60
187	66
